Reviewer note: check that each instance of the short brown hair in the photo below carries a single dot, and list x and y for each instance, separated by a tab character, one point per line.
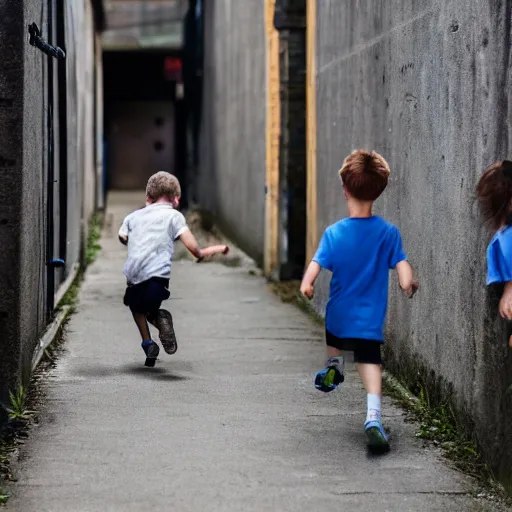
365	174
163	184
494	191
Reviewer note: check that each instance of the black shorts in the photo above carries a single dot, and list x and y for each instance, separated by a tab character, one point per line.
365	351
147	297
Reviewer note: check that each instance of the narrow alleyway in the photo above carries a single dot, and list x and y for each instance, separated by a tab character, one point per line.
232	422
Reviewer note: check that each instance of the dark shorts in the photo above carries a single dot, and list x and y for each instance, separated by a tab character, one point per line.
147	297
365	351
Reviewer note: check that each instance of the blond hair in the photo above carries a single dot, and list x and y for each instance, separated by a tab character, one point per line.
163	184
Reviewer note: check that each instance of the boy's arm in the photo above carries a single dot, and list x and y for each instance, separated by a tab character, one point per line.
307	287
123	232
405	277
190	242
506	302
506	306
321	259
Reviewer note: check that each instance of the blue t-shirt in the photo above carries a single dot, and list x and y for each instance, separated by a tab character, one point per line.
359	252
499	257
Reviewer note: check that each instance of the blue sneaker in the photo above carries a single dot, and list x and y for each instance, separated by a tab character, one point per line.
377	437
329	378
151	350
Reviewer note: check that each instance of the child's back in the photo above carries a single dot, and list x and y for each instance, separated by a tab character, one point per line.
359	252
495	196
152	233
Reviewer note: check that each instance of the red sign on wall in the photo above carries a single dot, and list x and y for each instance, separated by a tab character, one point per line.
172	69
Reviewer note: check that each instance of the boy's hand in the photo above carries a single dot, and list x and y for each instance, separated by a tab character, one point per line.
307	290
307	286
506	302
409	292
213	249
406	279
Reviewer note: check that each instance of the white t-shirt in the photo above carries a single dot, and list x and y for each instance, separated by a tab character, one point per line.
151	233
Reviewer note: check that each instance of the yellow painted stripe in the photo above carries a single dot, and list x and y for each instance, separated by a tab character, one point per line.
272	143
312	215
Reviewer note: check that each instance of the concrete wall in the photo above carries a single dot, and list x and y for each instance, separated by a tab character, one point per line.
74	75
87	93
426	84
24	163
231	180
11	160
83	132
32	227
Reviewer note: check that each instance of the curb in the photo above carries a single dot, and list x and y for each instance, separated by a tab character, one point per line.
51	333
397	389
66	285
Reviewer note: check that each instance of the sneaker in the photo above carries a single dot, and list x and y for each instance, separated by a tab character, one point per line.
329	378
377	437
163	322
151	352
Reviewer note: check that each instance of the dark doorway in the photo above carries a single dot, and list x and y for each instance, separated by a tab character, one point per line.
141	142
144	118
290	21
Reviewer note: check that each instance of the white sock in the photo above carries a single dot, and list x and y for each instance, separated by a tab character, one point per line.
373	412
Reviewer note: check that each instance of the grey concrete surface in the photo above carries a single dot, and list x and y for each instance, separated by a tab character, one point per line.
231	179
426	84
232	422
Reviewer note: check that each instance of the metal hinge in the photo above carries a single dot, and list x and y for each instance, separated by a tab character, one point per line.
37	41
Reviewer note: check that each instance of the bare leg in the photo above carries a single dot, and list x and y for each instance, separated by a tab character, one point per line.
371	375
142	324
333	352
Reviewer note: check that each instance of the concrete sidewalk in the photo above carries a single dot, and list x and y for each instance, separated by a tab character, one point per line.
232	422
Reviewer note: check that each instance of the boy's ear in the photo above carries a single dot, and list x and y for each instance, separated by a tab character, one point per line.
176	202
345	193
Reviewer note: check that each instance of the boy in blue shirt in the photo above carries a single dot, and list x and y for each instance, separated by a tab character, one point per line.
494	193
359	251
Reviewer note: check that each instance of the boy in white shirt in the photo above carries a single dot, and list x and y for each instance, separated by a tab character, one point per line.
150	234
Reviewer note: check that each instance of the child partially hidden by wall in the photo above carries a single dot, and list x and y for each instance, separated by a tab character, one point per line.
359	251
150	234
494	192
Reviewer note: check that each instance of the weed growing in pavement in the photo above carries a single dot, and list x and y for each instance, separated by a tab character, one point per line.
18	405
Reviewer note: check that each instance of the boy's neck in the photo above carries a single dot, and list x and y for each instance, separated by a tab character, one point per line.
162	200
359	209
